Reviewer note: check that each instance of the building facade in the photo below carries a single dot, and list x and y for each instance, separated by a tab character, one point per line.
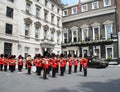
30	27
92	30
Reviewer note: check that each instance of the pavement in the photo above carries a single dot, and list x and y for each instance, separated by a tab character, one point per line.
98	80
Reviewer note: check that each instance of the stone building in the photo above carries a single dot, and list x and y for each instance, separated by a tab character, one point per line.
30	27
92	30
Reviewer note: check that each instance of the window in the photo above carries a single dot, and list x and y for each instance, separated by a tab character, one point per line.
85	34
74	36
45	34
9	28
96	33
36	50
58	10
26	50
52	7
11	0
37	11
28	5
9	12
95	5
45	15
27	28
58	21
46	2
109	52
74	10
84	8
7	48
108	31
36	32
52	18
107	3
65	37
58	37
65	12
52	36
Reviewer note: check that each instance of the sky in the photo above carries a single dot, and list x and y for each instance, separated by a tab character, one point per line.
72	1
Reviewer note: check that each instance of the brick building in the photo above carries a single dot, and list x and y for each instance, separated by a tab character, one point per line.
93	30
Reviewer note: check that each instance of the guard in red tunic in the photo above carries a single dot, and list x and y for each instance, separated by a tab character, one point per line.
75	64
81	63
45	67
39	64
1	62
54	67
20	63
69	63
12	63
62	65
5	62
85	65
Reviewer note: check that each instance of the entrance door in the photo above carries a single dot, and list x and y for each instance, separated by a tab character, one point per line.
7	48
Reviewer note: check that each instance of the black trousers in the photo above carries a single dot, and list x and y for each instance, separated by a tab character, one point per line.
1	67
49	69
57	70
75	69
70	68
61	71
29	70
12	68
54	72
39	69
19	68
80	68
5	67
85	71
45	73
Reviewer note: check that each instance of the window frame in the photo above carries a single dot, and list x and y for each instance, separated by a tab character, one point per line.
66	12
97	3
108	4
82	9
9	28
106	35
72	10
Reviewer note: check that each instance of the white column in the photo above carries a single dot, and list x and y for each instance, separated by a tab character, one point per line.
72	36
119	47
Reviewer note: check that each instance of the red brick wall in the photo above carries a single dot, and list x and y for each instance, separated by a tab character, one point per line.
118	10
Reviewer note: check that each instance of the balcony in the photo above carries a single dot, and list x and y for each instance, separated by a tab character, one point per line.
88	42
47	42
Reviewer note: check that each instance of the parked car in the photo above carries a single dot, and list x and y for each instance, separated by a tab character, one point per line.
94	62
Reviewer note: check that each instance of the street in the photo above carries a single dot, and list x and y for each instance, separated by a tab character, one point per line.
98	80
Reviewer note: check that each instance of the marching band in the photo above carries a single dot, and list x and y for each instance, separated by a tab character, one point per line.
47	64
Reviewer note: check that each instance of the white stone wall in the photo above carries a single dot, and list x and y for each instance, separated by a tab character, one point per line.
18	37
